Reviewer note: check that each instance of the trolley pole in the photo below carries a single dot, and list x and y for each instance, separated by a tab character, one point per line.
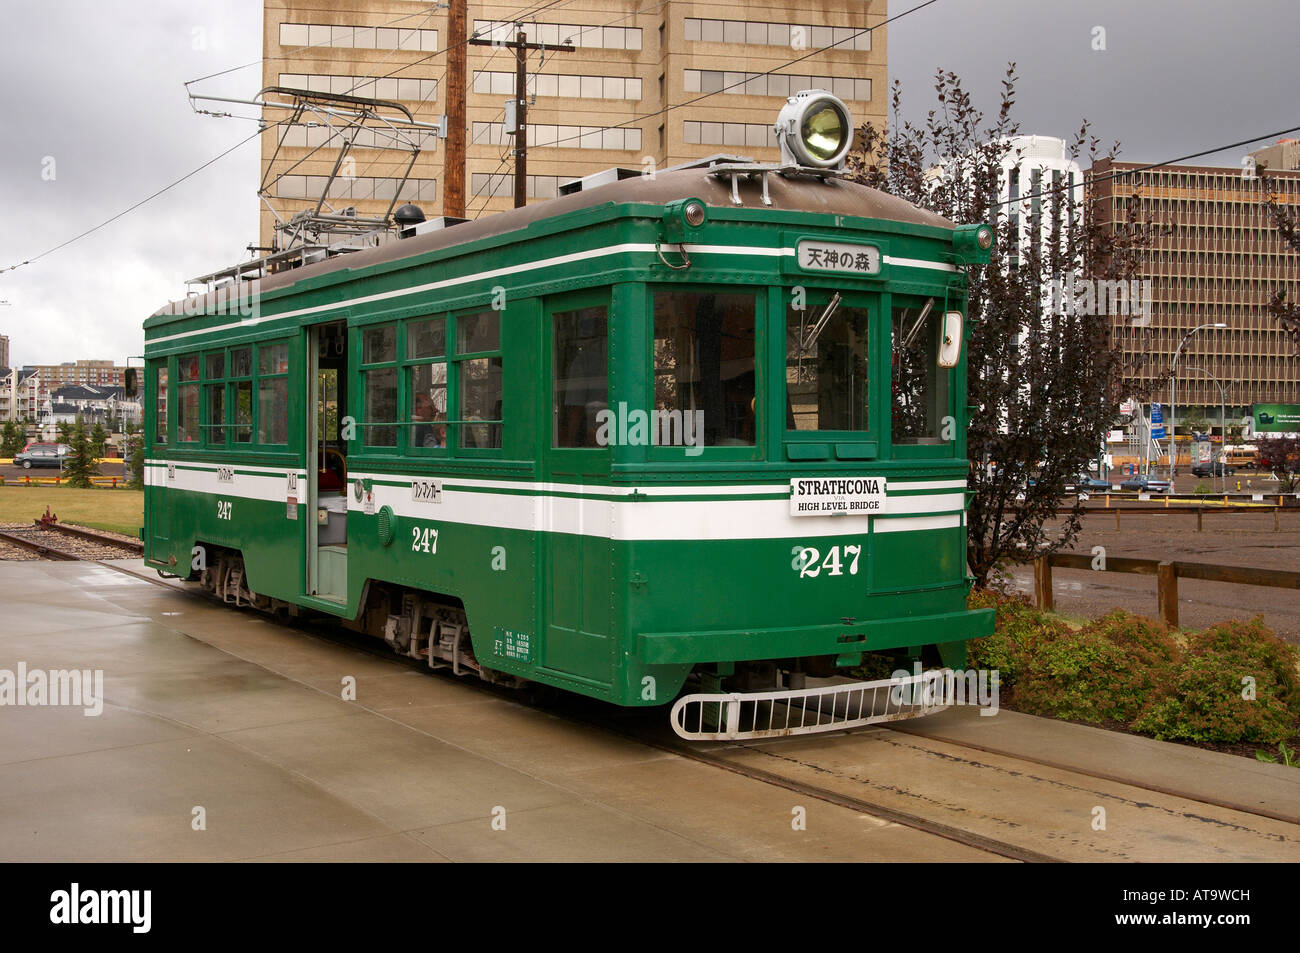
453	202
521	46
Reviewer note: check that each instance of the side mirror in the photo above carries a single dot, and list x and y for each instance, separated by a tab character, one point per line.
130	384
950	343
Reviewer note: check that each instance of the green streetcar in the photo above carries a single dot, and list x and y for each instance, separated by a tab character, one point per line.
704	424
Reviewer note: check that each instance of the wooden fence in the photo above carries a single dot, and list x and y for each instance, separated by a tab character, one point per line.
1167	573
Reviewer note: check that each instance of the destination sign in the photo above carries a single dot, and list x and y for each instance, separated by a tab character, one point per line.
836	256
829	496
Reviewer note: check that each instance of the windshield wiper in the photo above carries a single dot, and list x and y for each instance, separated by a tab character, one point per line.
810	340
925	313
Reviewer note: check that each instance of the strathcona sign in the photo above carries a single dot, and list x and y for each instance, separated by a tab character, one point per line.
811	496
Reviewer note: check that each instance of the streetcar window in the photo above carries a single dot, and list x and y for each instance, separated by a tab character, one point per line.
187	394
426	383
160	415
479	381
379	406
273	393
214	386
241	366
580	365
478	332
704	349
827	365
273	410
920	386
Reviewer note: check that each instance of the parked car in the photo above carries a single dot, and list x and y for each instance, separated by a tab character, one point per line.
1208	468
42	455
1145	485
1087	483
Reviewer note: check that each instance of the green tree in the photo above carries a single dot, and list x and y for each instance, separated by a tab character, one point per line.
65	432
133	450
1194	420
80	465
12	441
99	440
1031	366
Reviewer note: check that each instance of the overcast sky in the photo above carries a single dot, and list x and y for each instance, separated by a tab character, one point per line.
98	89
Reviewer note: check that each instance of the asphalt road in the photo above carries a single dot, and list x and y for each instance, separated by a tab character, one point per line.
13	474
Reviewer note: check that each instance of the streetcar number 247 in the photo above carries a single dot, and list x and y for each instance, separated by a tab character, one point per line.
424	539
808	560
223	509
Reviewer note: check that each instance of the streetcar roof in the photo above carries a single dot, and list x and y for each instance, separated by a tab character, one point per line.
803	194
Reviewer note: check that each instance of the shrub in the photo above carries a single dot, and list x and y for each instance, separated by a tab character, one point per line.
1207	699
1107	671
1019	632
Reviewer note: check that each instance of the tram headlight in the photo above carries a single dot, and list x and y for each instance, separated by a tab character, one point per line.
972	244
814	128
684	217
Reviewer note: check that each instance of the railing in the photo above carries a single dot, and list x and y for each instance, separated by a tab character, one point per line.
735	716
1167	573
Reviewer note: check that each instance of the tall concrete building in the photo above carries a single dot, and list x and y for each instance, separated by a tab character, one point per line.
4	350
1222	262
650	82
54	376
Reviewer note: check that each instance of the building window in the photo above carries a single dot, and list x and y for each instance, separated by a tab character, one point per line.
358	37
760	33
502	184
580	35
620	138
391	87
357	188
751	135
773	84
560	84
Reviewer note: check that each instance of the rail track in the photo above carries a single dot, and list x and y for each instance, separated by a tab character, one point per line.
646	727
58	541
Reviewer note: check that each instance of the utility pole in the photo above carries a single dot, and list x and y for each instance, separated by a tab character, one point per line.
521	46
453	170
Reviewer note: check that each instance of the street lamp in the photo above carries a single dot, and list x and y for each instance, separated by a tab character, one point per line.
1173	387
1223	422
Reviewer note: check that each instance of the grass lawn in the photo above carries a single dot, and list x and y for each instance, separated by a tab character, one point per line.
118	510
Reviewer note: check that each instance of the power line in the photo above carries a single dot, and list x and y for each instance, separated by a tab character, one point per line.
143	201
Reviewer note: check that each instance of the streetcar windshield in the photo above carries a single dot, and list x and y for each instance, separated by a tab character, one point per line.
920	385
704	350
826	364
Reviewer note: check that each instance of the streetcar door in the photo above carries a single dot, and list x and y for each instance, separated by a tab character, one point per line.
576	548
326	493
